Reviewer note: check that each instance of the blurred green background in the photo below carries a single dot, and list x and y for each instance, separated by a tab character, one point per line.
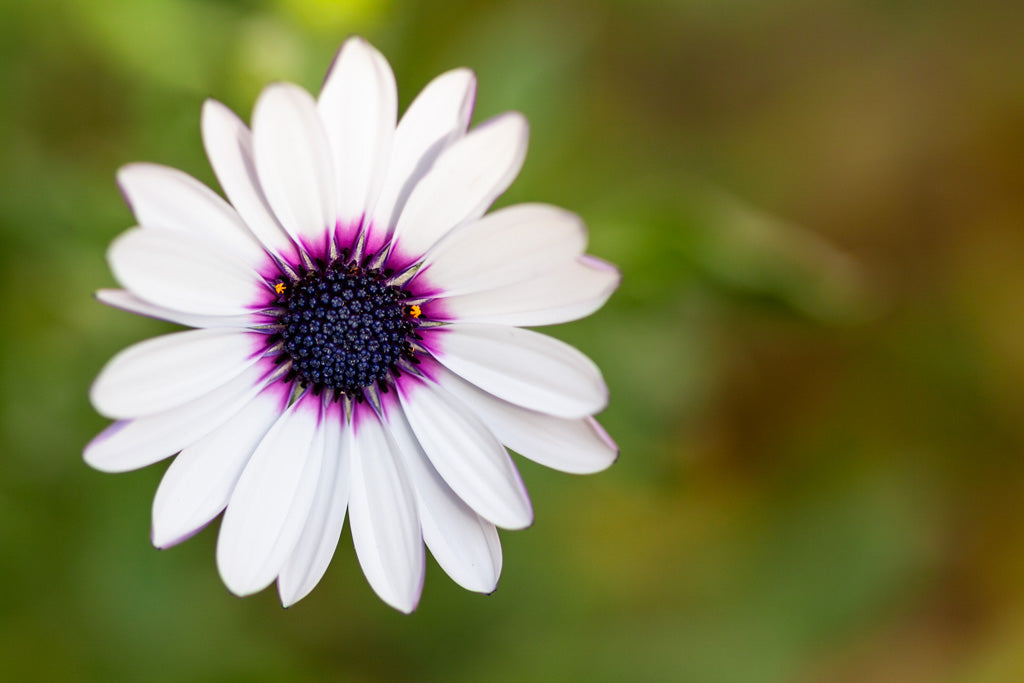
816	358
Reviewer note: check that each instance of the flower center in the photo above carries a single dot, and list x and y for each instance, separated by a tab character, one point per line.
344	327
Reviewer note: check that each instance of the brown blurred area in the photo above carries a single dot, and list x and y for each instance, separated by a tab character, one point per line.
895	131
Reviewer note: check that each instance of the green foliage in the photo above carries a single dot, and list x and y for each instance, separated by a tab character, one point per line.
814	364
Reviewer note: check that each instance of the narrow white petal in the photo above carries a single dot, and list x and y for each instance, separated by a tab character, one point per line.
126	301
319	539
524	367
466	178
228	143
167	371
382	511
185	273
271	501
464	544
465	453
198	484
358	104
509	246
131	444
437	117
577	446
570	292
167	199
294	164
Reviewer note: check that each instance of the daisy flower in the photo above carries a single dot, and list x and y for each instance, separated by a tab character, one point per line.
359	344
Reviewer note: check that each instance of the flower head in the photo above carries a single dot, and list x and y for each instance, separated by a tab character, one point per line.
359	344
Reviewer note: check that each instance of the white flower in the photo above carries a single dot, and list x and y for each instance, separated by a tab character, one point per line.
359	343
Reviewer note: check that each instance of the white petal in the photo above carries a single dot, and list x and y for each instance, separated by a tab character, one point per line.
438	116
198	484
126	301
523	367
319	539
382	511
167	371
466	178
229	147
271	501
185	273
294	164
167	199
570	292
576	446
464	544
131	444
466	455
358	104
507	247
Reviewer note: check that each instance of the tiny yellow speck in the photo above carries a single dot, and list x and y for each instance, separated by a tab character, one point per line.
415	311
279	288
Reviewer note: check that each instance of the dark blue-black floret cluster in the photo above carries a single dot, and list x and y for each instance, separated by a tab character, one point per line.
343	327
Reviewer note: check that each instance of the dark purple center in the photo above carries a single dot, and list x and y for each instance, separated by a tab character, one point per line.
344	327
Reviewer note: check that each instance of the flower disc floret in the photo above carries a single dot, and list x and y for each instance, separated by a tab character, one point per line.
343	327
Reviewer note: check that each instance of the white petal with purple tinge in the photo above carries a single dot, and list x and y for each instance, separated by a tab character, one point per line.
126	301
315	548
185	273
293	162
167	199
343	229
570	292
577	446
131	444
358	104
523	367
465	545
465	453
509	246
382	513
438	116
271	501
198	484
228	144
466	178
164	372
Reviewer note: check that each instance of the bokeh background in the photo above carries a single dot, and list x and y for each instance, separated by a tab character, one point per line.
816	358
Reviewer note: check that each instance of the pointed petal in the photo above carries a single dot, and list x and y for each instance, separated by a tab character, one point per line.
437	117
126	301
167	371
228	144
382	509
358	104
166	199
466	455
271	501
466	178
510	246
576	446
131	444
526	368
464	544
185	273
294	164
569	292
198	484
319	539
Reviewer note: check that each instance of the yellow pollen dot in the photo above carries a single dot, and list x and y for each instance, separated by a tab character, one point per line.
415	311
279	288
